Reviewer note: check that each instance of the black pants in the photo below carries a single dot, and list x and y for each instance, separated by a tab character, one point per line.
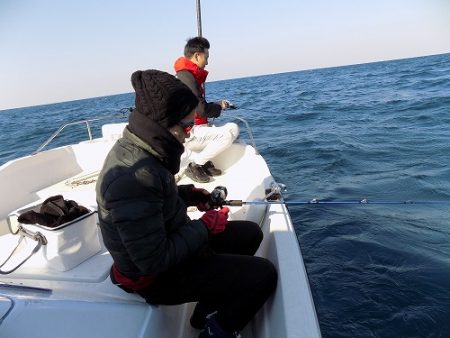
230	280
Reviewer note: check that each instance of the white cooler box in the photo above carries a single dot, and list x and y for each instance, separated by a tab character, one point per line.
67	245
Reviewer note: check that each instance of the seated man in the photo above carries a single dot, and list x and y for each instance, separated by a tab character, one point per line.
158	251
208	141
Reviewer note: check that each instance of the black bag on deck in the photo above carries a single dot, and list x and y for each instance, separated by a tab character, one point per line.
54	211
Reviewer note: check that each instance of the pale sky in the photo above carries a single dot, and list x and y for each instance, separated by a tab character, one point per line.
57	50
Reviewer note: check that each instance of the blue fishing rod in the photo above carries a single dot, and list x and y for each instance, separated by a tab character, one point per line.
219	195
322	202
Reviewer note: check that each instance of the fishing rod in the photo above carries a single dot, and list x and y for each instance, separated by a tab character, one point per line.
219	195
315	202
232	106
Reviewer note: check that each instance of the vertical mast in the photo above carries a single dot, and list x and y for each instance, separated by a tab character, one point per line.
199	18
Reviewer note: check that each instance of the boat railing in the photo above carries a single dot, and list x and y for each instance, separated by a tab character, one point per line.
249	132
87	122
123	114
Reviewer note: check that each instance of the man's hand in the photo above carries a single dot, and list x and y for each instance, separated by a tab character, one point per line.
225	104
202	197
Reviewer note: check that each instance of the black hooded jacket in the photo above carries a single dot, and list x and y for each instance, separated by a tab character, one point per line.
142	218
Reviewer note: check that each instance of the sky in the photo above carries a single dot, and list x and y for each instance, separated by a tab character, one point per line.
55	50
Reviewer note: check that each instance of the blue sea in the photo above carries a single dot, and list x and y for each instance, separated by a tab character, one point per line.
379	131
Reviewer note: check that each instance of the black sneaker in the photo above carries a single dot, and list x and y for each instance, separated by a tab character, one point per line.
196	173
213	329
211	170
200	316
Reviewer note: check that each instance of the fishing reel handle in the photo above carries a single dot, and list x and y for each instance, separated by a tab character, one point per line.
234	203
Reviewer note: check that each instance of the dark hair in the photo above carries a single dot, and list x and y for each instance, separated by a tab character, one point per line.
195	45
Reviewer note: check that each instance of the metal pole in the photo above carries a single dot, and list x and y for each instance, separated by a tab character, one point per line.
199	18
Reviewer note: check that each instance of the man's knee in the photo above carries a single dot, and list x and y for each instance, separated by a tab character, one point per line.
265	276
234	130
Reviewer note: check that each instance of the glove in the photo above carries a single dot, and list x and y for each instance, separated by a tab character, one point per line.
202	198
216	221
193	196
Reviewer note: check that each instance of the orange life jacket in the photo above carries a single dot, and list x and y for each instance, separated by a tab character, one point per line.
200	75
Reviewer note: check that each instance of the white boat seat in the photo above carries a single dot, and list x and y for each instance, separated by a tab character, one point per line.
113	131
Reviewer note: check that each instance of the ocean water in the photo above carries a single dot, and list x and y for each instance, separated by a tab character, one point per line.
379	131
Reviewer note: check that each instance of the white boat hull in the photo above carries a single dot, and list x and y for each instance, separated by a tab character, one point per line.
38	301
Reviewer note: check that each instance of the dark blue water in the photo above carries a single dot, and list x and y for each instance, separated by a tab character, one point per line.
379	131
